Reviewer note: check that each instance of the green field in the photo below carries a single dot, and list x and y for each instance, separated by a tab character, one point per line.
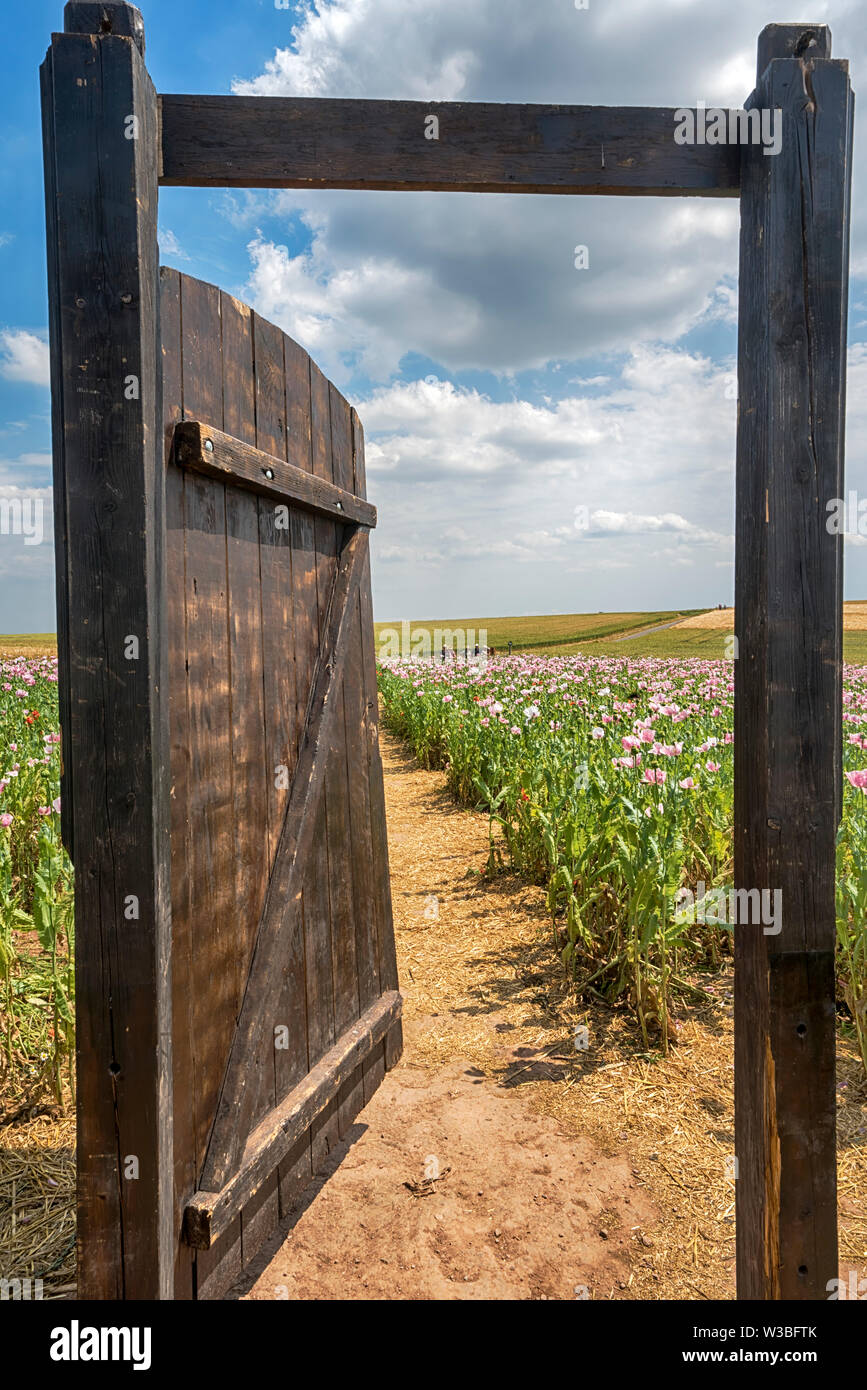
538	632
704	643
560	634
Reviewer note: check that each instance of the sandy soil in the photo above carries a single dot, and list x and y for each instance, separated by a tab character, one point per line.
605	1170
723	618
519	1210
522	1208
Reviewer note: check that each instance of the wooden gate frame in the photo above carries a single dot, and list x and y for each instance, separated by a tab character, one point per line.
110	141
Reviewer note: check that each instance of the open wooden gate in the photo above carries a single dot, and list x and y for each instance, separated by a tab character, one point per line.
284	981
222	793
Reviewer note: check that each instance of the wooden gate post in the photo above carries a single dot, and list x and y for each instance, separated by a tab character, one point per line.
788	585
101	166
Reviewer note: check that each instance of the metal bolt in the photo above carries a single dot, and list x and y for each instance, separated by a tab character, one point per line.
269	472
209	446
126	299
340	506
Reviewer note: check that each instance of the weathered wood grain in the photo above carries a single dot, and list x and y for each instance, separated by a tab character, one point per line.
232	460
794	249
209	1213
257	1011
283	384
792	41
348	1005
327	856
103	268
483	147
393	1043
90	17
184	1128
276	618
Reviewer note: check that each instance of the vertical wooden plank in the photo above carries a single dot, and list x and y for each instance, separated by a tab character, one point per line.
292	1062
340	796
794	272
211	784
393	1044
103	269
182	980
321	892
284	1059
245	641
366	957
249	743
367	908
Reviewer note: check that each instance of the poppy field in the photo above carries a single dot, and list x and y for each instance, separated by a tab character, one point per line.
36	898
609	780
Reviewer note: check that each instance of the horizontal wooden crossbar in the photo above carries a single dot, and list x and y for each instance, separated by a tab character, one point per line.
206	450
480	147
211	1213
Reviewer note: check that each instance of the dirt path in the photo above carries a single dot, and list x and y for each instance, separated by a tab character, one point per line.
521	1208
560	1170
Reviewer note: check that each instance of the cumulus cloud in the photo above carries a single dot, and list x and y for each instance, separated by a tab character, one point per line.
573	505
607	523
489	282
513	500
24	356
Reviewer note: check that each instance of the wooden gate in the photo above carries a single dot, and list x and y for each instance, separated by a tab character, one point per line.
222	794
283	972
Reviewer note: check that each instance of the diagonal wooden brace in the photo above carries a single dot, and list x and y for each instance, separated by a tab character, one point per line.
233	1117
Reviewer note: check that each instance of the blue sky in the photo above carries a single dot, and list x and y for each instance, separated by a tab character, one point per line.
501	388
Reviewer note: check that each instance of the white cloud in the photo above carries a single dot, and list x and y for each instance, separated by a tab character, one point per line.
24	356
170	246
489	282
608	523
478	497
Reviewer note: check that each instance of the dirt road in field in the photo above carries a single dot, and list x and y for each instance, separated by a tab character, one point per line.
514	1206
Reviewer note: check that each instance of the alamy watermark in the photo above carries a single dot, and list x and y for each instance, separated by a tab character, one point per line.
21	1290
715	125
736	907
412	642
847	516
22	516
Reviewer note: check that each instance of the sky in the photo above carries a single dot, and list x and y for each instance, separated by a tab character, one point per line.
540	438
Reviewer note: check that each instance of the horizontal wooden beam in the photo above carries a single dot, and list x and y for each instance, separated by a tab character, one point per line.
470	147
206	450
211	1213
